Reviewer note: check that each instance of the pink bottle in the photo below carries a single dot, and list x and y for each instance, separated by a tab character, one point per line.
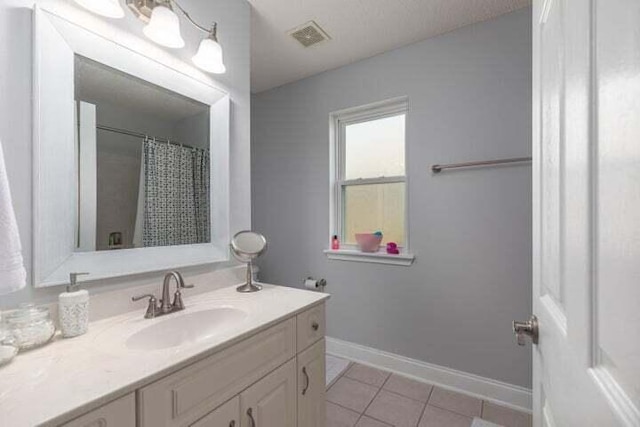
335	243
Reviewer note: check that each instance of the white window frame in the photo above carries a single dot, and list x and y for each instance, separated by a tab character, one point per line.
339	120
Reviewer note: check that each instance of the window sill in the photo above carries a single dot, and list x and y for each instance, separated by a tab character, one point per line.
403	259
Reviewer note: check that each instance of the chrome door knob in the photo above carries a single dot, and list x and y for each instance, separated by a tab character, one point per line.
526	329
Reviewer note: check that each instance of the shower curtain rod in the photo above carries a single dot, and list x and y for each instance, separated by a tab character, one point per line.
142	135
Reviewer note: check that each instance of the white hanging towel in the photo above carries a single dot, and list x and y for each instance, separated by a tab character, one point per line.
12	273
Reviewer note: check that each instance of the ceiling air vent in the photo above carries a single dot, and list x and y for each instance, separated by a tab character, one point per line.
309	34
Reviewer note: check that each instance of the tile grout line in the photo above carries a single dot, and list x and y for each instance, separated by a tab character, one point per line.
451	410
343	407
339	376
425	405
344	371
399	395
374	398
343	375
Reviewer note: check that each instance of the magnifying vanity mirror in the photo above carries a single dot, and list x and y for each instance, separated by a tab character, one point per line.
247	246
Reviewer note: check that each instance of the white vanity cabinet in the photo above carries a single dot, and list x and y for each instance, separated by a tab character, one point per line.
270	379
131	372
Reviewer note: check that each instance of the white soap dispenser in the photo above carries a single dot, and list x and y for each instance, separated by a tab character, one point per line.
73	308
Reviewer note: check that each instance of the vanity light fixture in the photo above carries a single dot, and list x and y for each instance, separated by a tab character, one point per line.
209	55
108	8
163	27
166	31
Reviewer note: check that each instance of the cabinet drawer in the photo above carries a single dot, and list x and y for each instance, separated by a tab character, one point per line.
228	415
187	395
310	326
119	413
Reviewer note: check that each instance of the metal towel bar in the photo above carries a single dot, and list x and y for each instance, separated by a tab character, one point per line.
440	168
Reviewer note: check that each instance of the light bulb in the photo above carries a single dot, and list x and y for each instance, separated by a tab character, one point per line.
164	28
209	57
108	8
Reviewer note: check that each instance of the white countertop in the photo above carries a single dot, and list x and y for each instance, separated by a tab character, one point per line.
68	377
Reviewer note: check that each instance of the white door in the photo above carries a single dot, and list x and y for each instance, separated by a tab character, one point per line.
586	199
271	402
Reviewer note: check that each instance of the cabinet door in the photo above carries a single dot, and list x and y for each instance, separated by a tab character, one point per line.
228	415
311	386
119	413
271	402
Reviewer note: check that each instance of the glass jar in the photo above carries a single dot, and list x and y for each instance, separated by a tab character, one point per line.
8	348
30	326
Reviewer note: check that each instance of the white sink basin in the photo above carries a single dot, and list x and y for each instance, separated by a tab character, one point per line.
178	328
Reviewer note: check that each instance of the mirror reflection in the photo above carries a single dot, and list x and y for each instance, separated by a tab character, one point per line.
143	162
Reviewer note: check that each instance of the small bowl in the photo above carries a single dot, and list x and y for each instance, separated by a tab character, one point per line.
368	242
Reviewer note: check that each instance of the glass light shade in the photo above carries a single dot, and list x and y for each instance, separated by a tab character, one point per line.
108	8
164	28
209	57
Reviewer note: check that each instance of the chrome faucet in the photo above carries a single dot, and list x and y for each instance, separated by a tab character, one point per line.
166	306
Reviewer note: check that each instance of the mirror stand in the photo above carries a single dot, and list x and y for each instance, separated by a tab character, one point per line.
249	286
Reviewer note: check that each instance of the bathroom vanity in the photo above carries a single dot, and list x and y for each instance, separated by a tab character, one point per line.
228	359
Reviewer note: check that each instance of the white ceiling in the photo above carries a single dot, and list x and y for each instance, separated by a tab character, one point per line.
359	29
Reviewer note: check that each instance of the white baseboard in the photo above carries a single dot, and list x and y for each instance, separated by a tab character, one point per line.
498	392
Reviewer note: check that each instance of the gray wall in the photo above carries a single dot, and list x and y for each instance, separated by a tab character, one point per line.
470	98
16	49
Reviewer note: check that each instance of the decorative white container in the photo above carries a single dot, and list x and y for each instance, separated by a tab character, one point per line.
73	309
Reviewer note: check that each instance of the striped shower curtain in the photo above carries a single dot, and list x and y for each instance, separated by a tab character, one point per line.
176	195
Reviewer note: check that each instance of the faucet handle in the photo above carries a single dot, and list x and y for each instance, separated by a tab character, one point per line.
177	304
139	297
152	308
177	297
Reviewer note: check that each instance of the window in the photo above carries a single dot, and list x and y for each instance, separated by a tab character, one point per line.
369	173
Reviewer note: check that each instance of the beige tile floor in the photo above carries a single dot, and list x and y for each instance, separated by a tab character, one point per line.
368	397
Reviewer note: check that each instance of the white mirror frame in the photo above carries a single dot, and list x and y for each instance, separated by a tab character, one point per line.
55	191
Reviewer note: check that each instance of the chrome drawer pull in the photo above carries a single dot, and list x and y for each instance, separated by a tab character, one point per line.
306	380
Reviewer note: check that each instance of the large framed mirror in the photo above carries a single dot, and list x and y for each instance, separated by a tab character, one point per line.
131	159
